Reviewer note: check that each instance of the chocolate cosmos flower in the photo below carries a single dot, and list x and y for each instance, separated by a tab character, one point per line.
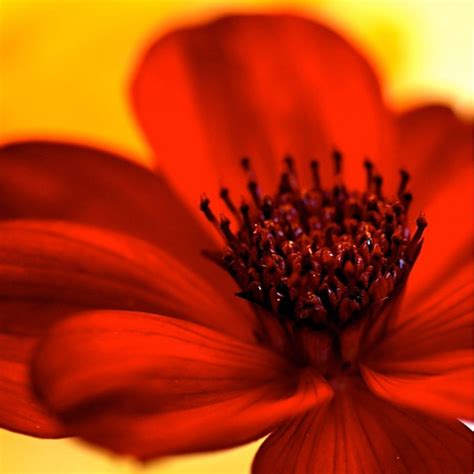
319	329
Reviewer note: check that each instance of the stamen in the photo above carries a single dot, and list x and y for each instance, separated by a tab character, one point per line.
320	257
421	225
254	192
285	184
252	185
315	173
244	210
337	157
407	198
416	241
205	208
245	163
224	195
292	177
404	178
378	181
369	166
225	227
290	163
267	207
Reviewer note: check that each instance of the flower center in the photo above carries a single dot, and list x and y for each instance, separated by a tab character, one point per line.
319	257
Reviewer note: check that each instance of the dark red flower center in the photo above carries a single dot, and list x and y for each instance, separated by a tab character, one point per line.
319	257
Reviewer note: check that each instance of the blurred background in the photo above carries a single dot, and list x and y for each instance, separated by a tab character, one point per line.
64	71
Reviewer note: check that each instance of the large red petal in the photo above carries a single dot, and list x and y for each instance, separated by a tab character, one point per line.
415	362
426	359
442	385
258	85
429	141
19	409
149	385
65	263
21	325
48	270
436	147
46	180
358	434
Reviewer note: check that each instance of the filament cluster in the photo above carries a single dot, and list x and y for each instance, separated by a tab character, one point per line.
322	256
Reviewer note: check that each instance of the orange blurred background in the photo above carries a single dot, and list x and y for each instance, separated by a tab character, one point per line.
64	71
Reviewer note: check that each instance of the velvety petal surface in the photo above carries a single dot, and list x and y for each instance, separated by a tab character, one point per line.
19	409
357	433
150	385
436	147
65	263
257	85
421	384
62	181
426	358
49	270
431	138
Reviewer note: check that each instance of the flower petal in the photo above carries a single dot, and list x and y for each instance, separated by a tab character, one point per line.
21	325
434	320
357	433
150	385
257	85
430	138
422	384
65	263
426	358
61	181
19	409
436	147
49	270
435	316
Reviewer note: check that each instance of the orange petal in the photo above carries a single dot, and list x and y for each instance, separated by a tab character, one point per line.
426	358
49	270
150	385
65	263
430	137
47	180
436	147
356	433
442	385
257	85
19	409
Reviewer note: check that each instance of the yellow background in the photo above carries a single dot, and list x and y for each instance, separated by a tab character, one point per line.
64	69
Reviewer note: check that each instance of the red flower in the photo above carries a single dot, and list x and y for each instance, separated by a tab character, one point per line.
144	347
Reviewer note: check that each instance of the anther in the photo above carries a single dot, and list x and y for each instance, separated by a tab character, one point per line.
224	195
244	210
225	227
205	208
267	207
245	163
254	191
290	163
252	185
378	181
369	167
323	257
337	157
315	173
407	199
404	178
421	224
285	184
416	241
